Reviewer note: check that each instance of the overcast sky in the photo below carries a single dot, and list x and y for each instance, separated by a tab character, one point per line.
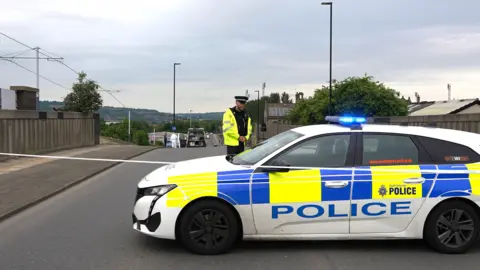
228	46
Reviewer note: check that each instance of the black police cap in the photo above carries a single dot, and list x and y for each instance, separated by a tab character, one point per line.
241	98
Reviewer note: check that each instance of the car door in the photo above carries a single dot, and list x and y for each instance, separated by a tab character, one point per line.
312	199
451	156
390	184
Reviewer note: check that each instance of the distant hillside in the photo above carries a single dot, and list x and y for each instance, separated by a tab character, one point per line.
113	114
203	116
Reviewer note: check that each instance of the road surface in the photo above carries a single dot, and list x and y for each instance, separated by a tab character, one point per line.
89	227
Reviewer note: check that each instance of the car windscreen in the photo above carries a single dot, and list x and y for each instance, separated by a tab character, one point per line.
259	152
196	133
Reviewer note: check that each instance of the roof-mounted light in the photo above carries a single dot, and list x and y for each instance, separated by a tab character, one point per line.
346	120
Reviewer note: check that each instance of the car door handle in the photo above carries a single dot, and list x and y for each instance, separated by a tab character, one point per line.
416	180
336	184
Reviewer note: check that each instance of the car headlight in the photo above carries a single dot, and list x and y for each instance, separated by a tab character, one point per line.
159	190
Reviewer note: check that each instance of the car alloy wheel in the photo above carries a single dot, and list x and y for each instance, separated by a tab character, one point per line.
209	229
455	228
452	227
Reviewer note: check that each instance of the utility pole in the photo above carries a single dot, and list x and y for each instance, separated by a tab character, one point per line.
449	88
37	58
154	137
37	50
129	126
190	118
48	58
331	21
174	77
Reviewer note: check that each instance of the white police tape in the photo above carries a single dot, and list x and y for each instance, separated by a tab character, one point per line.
86	159
452	169
348	170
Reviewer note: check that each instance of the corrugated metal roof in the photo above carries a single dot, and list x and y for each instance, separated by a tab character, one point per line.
418	106
442	107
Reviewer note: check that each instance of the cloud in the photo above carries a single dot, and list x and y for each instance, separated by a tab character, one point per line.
226	47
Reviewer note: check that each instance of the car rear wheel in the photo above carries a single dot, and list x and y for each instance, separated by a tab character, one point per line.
209	228
453	227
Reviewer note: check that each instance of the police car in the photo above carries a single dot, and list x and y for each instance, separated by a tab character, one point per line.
346	180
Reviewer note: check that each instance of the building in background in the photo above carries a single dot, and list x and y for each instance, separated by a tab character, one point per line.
276	113
460	106
22	98
8	99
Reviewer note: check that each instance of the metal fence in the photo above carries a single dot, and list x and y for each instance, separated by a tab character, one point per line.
464	122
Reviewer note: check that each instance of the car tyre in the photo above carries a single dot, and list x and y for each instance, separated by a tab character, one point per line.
209	228
452	228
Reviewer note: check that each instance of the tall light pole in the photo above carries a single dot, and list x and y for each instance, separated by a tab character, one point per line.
129	127
174	70
258	114
190	118
330	81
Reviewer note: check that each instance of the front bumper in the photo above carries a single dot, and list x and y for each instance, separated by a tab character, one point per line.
151	216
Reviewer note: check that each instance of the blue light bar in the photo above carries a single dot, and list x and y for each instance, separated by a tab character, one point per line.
346	120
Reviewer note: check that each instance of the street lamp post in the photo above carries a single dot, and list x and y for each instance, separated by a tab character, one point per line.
129	127
190	118
174	70
258	114
330	81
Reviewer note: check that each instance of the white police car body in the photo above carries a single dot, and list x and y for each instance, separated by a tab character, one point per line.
322	182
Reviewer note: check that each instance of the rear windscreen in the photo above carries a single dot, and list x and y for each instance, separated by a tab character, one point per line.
196	133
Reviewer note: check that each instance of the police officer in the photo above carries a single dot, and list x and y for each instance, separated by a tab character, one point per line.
237	127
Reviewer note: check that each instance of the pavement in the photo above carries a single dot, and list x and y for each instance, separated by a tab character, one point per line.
25	181
89	227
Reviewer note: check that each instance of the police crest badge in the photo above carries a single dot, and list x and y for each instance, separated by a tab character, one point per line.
382	191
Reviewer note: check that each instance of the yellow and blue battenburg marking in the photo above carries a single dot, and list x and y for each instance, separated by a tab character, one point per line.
457	184
386	182
232	186
299	186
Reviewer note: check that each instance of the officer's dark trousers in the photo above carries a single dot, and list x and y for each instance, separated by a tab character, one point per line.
234	150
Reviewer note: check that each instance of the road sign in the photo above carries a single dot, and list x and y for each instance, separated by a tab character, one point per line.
174	128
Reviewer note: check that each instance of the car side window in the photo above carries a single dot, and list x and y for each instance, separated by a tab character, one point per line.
444	152
386	149
324	151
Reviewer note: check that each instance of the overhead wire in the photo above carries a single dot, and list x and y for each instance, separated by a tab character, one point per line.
105	90
15	53
61	62
43	77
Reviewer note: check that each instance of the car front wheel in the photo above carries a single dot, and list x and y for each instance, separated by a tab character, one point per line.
209	228
453	227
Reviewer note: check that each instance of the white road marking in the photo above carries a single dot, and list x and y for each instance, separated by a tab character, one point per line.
86	159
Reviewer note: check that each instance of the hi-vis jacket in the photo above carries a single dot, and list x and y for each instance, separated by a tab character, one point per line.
230	129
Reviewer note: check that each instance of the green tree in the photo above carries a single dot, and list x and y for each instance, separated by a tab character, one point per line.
274	98
298	96
252	109
286	98
84	96
310	110
140	137
354	95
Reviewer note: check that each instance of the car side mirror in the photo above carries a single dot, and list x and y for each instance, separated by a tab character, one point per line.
282	166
